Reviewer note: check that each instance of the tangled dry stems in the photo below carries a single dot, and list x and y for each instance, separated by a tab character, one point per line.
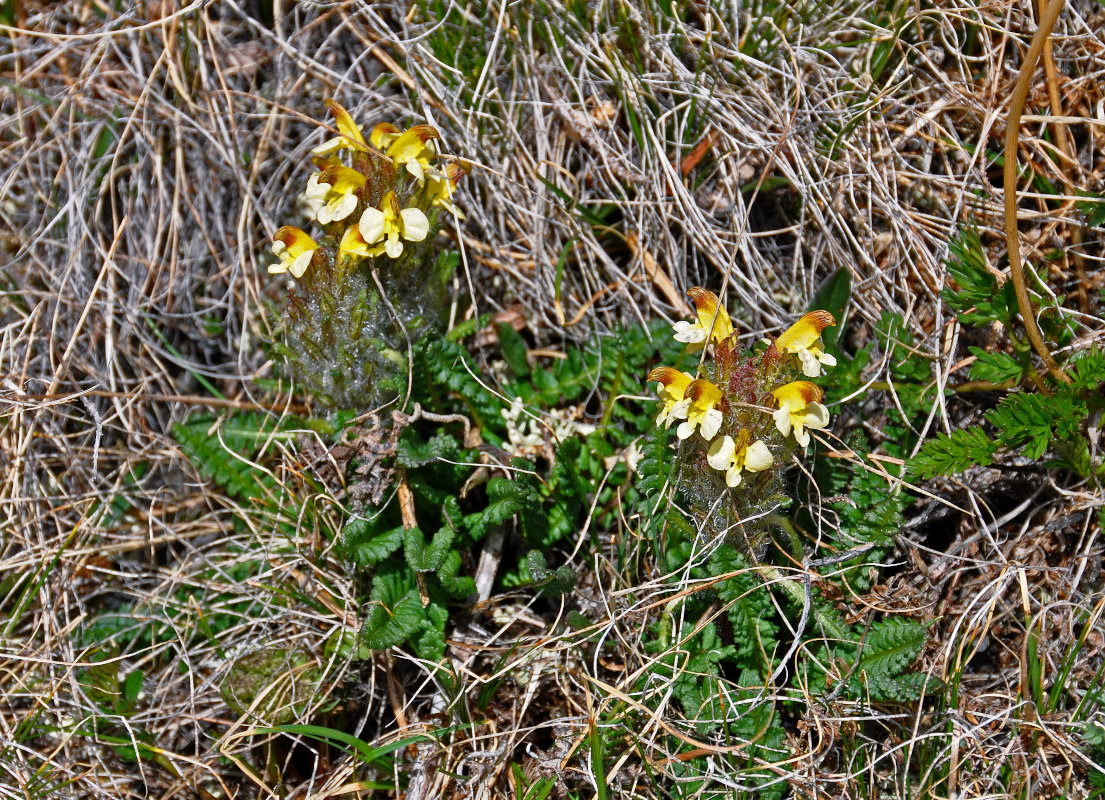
148	157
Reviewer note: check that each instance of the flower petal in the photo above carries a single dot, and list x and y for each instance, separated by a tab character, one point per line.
804	332
372	225
329	146
796	395
348	128
345	206
316	187
712	316
711	424
352	243
296	241
300	263
802	436
688	333
671	379
817	416
733	477
415	224
782	421
394	247
721	453
758	457
383	134
811	367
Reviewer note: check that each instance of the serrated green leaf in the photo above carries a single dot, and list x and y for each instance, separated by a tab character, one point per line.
890	647
995	367
428	641
1088	369
457	585
364	545
391	620
537	565
423	557
947	455
413	452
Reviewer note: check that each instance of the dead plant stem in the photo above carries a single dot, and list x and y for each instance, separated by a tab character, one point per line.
1016	108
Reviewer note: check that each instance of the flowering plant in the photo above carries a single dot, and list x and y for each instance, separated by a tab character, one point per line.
377	203
744	413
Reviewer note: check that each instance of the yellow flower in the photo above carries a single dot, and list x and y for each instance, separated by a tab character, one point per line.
803	339
413	148
713	322
350	139
294	248
353	244
341	196
799	409
386	224
702	411
383	134
314	197
672	391
442	184
732	457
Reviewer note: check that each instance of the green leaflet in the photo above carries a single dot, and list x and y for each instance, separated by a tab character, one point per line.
365	546
423	556
395	611
552	581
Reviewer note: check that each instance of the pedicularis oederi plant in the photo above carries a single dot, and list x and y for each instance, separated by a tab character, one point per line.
370	281
744	413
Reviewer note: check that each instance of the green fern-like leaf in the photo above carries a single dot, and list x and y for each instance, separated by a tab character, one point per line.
447	365
414	451
552	581
365	545
872	515
395	611
654	468
457	585
423	556
750	608
890	647
949	454
223	456
507	498
995	367
1088	369
979	299
428	641
1031	421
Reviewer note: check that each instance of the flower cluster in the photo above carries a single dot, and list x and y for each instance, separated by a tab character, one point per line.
372	198
368	278
744	406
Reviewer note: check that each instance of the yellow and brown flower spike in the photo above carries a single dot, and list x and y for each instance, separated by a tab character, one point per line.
799	409
703	412
672	391
713	323
803	340
350	138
